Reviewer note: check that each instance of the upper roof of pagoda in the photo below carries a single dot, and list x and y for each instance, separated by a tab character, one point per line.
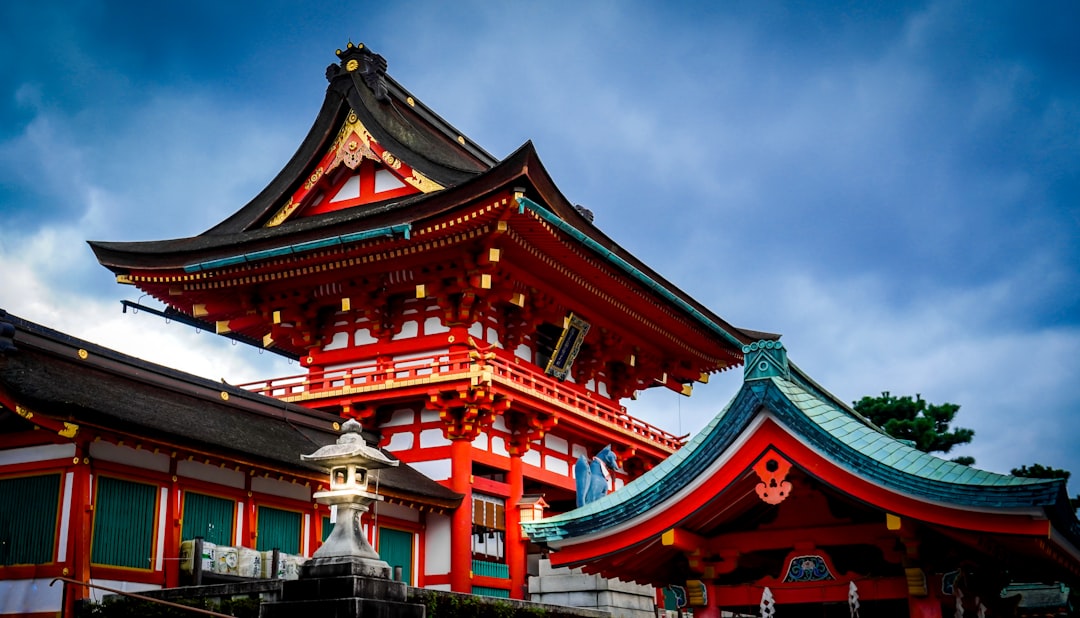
377	160
715	483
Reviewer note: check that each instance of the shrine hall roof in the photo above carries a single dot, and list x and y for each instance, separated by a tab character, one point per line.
819	420
64	378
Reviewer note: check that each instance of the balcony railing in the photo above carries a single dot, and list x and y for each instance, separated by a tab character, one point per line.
494	366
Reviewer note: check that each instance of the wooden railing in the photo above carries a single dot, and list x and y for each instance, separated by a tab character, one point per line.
494	364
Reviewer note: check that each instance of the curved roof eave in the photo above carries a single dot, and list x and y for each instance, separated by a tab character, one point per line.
888	463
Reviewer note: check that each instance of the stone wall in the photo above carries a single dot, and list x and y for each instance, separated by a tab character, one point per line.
574	588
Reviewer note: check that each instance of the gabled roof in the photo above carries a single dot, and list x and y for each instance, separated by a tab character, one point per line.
701	485
412	134
59	377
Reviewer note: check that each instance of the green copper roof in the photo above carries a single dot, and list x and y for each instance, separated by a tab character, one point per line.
823	423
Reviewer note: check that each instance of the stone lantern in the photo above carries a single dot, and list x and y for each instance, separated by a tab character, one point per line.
349	462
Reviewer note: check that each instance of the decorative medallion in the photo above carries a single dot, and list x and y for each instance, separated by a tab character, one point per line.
809	568
772	469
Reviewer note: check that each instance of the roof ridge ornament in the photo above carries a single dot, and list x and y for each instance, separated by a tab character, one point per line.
369	65
765	359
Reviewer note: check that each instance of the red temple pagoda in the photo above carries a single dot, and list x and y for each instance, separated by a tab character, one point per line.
458	305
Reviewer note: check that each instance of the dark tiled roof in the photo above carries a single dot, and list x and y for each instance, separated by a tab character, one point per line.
131	396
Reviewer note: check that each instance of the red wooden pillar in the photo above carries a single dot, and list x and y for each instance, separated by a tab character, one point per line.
515	545
80	528
251	530
461	522
712	610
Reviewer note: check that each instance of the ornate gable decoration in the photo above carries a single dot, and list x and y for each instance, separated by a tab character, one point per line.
765	359
356	170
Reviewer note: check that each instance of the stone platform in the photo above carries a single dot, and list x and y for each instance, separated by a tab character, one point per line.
342	590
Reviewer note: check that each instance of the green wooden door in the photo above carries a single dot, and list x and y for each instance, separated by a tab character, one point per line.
395	548
28	510
209	517
124	514
278	529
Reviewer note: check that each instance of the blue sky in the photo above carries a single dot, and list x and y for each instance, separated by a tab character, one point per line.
895	189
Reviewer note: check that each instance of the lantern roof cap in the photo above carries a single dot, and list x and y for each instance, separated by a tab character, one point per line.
350	448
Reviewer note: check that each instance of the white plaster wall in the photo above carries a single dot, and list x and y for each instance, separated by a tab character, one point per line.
437	545
524	352
402	441
275	487
436	469
531	457
401	417
362	336
434	326
408	330
65	518
136	458
162	516
433	437
24	596
477	330
427	416
339	341
480	441
97	595
556	444
498	446
210	474
29	454
556	465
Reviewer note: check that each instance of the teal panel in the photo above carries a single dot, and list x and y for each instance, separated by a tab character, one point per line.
395	547
124	514
327	528
209	517
490	569
28	509
278	529
486	591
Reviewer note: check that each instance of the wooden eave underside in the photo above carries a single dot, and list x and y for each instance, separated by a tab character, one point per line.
536	257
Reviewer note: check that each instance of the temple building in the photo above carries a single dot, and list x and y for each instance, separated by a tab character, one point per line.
486	335
455	304
108	463
791	503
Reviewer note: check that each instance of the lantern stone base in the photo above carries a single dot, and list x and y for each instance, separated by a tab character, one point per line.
345	566
343	595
